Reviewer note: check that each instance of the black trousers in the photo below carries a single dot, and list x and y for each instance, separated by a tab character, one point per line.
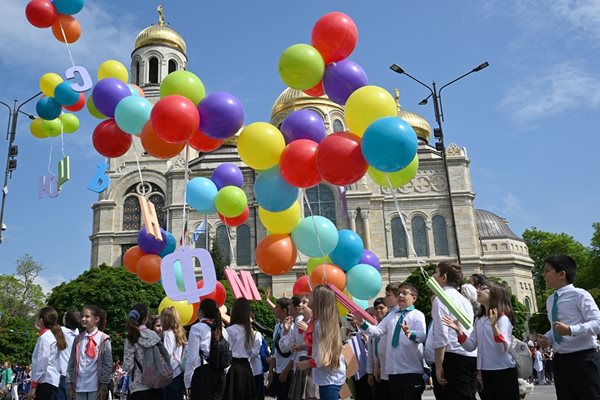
502	384
150	394
282	388
208	383
461	378
406	386
382	390
577	375
44	391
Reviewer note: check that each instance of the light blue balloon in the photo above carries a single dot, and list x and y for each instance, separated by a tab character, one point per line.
132	113
389	144
171	245
65	95
363	281
272	192
348	251
48	108
69	7
364	304
134	91
200	195
315	236
178	276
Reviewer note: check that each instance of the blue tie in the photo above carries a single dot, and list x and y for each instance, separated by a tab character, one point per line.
376	346
398	328
557	337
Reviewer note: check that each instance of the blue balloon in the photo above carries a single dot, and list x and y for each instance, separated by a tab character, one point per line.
389	144
272	192
48	108
368	257
171	245
315	236
65	94
200	195
348	250
178	276
303	124
69	7
149	244
227	174
361	303
134	91
363	281
132	113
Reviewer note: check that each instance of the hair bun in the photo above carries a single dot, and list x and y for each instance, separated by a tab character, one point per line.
134	314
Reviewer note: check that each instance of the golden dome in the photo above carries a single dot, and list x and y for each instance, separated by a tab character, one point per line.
160	34
290	97
419	124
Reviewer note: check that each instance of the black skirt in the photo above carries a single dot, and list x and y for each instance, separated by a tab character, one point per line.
239	383
207	383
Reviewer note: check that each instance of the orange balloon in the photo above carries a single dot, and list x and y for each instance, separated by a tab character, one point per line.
276	254
157	147
199	141
131	258
328	273
70	26
139	89
194	315
148	268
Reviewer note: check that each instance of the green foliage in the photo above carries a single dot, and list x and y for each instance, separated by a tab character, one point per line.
219	260
538	323
19	295
423	302
521	315
17	339
263	312
112	288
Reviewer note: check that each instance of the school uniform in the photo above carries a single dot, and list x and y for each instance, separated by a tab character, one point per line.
239	382
63	358
282	360
205	382
257	372
576	361
133	359
376	350
498	372
329	381
174	391
301	386
45	369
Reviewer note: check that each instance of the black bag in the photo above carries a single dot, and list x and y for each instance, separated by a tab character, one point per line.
220	354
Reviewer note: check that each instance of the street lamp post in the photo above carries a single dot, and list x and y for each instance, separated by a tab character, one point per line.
13	150
438	133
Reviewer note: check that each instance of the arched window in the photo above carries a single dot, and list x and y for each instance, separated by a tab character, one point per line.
172	66
137	72
419	234
131	214
338	126
159	204
243	245
528	305
153	73
200	236
131	205
322	202
440	236
223	243
399	246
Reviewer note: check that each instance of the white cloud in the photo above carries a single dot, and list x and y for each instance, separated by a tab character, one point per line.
48	282
511	205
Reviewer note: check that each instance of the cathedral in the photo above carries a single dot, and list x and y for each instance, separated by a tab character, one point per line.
481	239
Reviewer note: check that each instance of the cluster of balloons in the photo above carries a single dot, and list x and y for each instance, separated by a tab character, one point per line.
222	192
144	259
57	14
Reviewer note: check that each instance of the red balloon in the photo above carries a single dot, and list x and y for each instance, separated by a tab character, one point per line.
328	273
77	106
69	25
316	91
201	142
157	147
148	268
109	140
175	119
235	221
340	160
131	258
194	315
219	294
335	36
302	286
298	163
276	254
41	13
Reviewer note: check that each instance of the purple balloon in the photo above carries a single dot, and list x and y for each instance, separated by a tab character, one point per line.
369	258
108	93
149	244
303	124
221	115
227	174
342	78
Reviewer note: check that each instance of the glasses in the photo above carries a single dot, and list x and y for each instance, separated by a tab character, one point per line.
406	293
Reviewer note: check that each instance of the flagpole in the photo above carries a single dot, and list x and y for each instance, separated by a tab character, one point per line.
206	232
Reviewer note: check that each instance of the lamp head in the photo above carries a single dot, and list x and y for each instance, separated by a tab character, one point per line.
481	66
423	102
396	68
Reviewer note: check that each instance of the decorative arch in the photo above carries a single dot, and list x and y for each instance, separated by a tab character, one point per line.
323	201
338	125
419	235
222	241
527	303
153	73
173	66
399	242
131	205
243	245
440	235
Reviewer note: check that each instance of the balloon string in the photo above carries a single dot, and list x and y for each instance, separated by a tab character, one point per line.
50	158
185	215
66	42
231	252
62	140
137	161
307	202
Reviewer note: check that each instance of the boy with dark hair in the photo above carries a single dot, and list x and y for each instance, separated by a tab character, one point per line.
378	378
391	295
282	362
575	323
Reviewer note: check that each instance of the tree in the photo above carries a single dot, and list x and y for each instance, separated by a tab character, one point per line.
19	295
423	302
219	260
17	339
588	276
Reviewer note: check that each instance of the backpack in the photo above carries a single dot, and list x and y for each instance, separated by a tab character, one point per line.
522	356
264	354
157	371
220	354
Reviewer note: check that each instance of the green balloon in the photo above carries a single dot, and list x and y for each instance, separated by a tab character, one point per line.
301	66
91	107
53	127
398	178
70	123
314	262
231	201
183	83
36	128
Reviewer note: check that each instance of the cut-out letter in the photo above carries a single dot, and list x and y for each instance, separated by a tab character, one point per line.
244	287
86	79
351	306
64	172
100	181
184	257
150	218
45	187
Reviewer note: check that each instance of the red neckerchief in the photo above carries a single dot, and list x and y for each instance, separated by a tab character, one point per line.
43	331
308	337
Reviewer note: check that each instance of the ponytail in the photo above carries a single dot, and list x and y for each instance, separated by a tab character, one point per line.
211	311
49	318
137	316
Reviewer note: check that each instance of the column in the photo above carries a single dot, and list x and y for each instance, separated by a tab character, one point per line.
352	219
364	214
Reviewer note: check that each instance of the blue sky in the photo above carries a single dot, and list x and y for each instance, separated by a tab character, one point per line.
529	121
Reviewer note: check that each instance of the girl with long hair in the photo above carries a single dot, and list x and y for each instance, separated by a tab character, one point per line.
90	365
244	344
492	338
70	329
175	340
327	362
45	373
138	339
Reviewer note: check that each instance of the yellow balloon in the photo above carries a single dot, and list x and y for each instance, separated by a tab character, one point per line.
366	105
91	107
113	69
37	129
281	222
341	309
260	145
184	309
49	82
70	122
398	178
53	127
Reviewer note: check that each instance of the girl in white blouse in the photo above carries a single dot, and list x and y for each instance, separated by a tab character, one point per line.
492	336
175	340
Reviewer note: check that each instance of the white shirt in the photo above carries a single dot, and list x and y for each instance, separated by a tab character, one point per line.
538	365
237	342
491	355
443	336
407	357
255	360
321	375
44	360
87	376
576	308
176	352
64	355
281	362
295	336
198	340
428	349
